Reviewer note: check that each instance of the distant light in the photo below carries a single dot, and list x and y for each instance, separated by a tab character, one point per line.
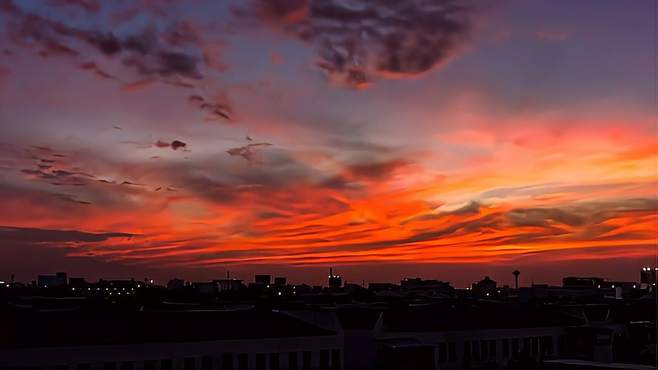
88	288
279	293
487	294
151	281
2	282
599	286
7	285
613	285
634	286
73	289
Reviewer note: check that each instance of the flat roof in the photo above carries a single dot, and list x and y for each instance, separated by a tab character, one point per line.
85	327
604	365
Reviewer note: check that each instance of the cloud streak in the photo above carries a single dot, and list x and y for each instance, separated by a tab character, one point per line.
174	56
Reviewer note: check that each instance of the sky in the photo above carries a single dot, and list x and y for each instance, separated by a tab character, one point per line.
442	139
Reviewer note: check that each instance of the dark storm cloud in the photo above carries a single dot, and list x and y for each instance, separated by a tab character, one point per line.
25	234
358	40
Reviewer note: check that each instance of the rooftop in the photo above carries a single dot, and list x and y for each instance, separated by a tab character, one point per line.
82	327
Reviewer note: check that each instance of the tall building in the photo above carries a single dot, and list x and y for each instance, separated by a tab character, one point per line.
228	284
648	276
59	279
335	281
485	285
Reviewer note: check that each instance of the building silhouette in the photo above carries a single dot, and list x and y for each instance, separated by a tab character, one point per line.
419	324
57	280
335	281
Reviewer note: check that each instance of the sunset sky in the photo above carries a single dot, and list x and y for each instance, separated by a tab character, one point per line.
448	140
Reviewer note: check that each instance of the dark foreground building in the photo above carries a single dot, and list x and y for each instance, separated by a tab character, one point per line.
417	325
84	339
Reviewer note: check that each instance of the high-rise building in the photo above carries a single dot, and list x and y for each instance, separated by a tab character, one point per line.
335	281
485	285
648	276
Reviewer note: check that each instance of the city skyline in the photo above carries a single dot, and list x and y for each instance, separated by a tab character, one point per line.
62	277
448	141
